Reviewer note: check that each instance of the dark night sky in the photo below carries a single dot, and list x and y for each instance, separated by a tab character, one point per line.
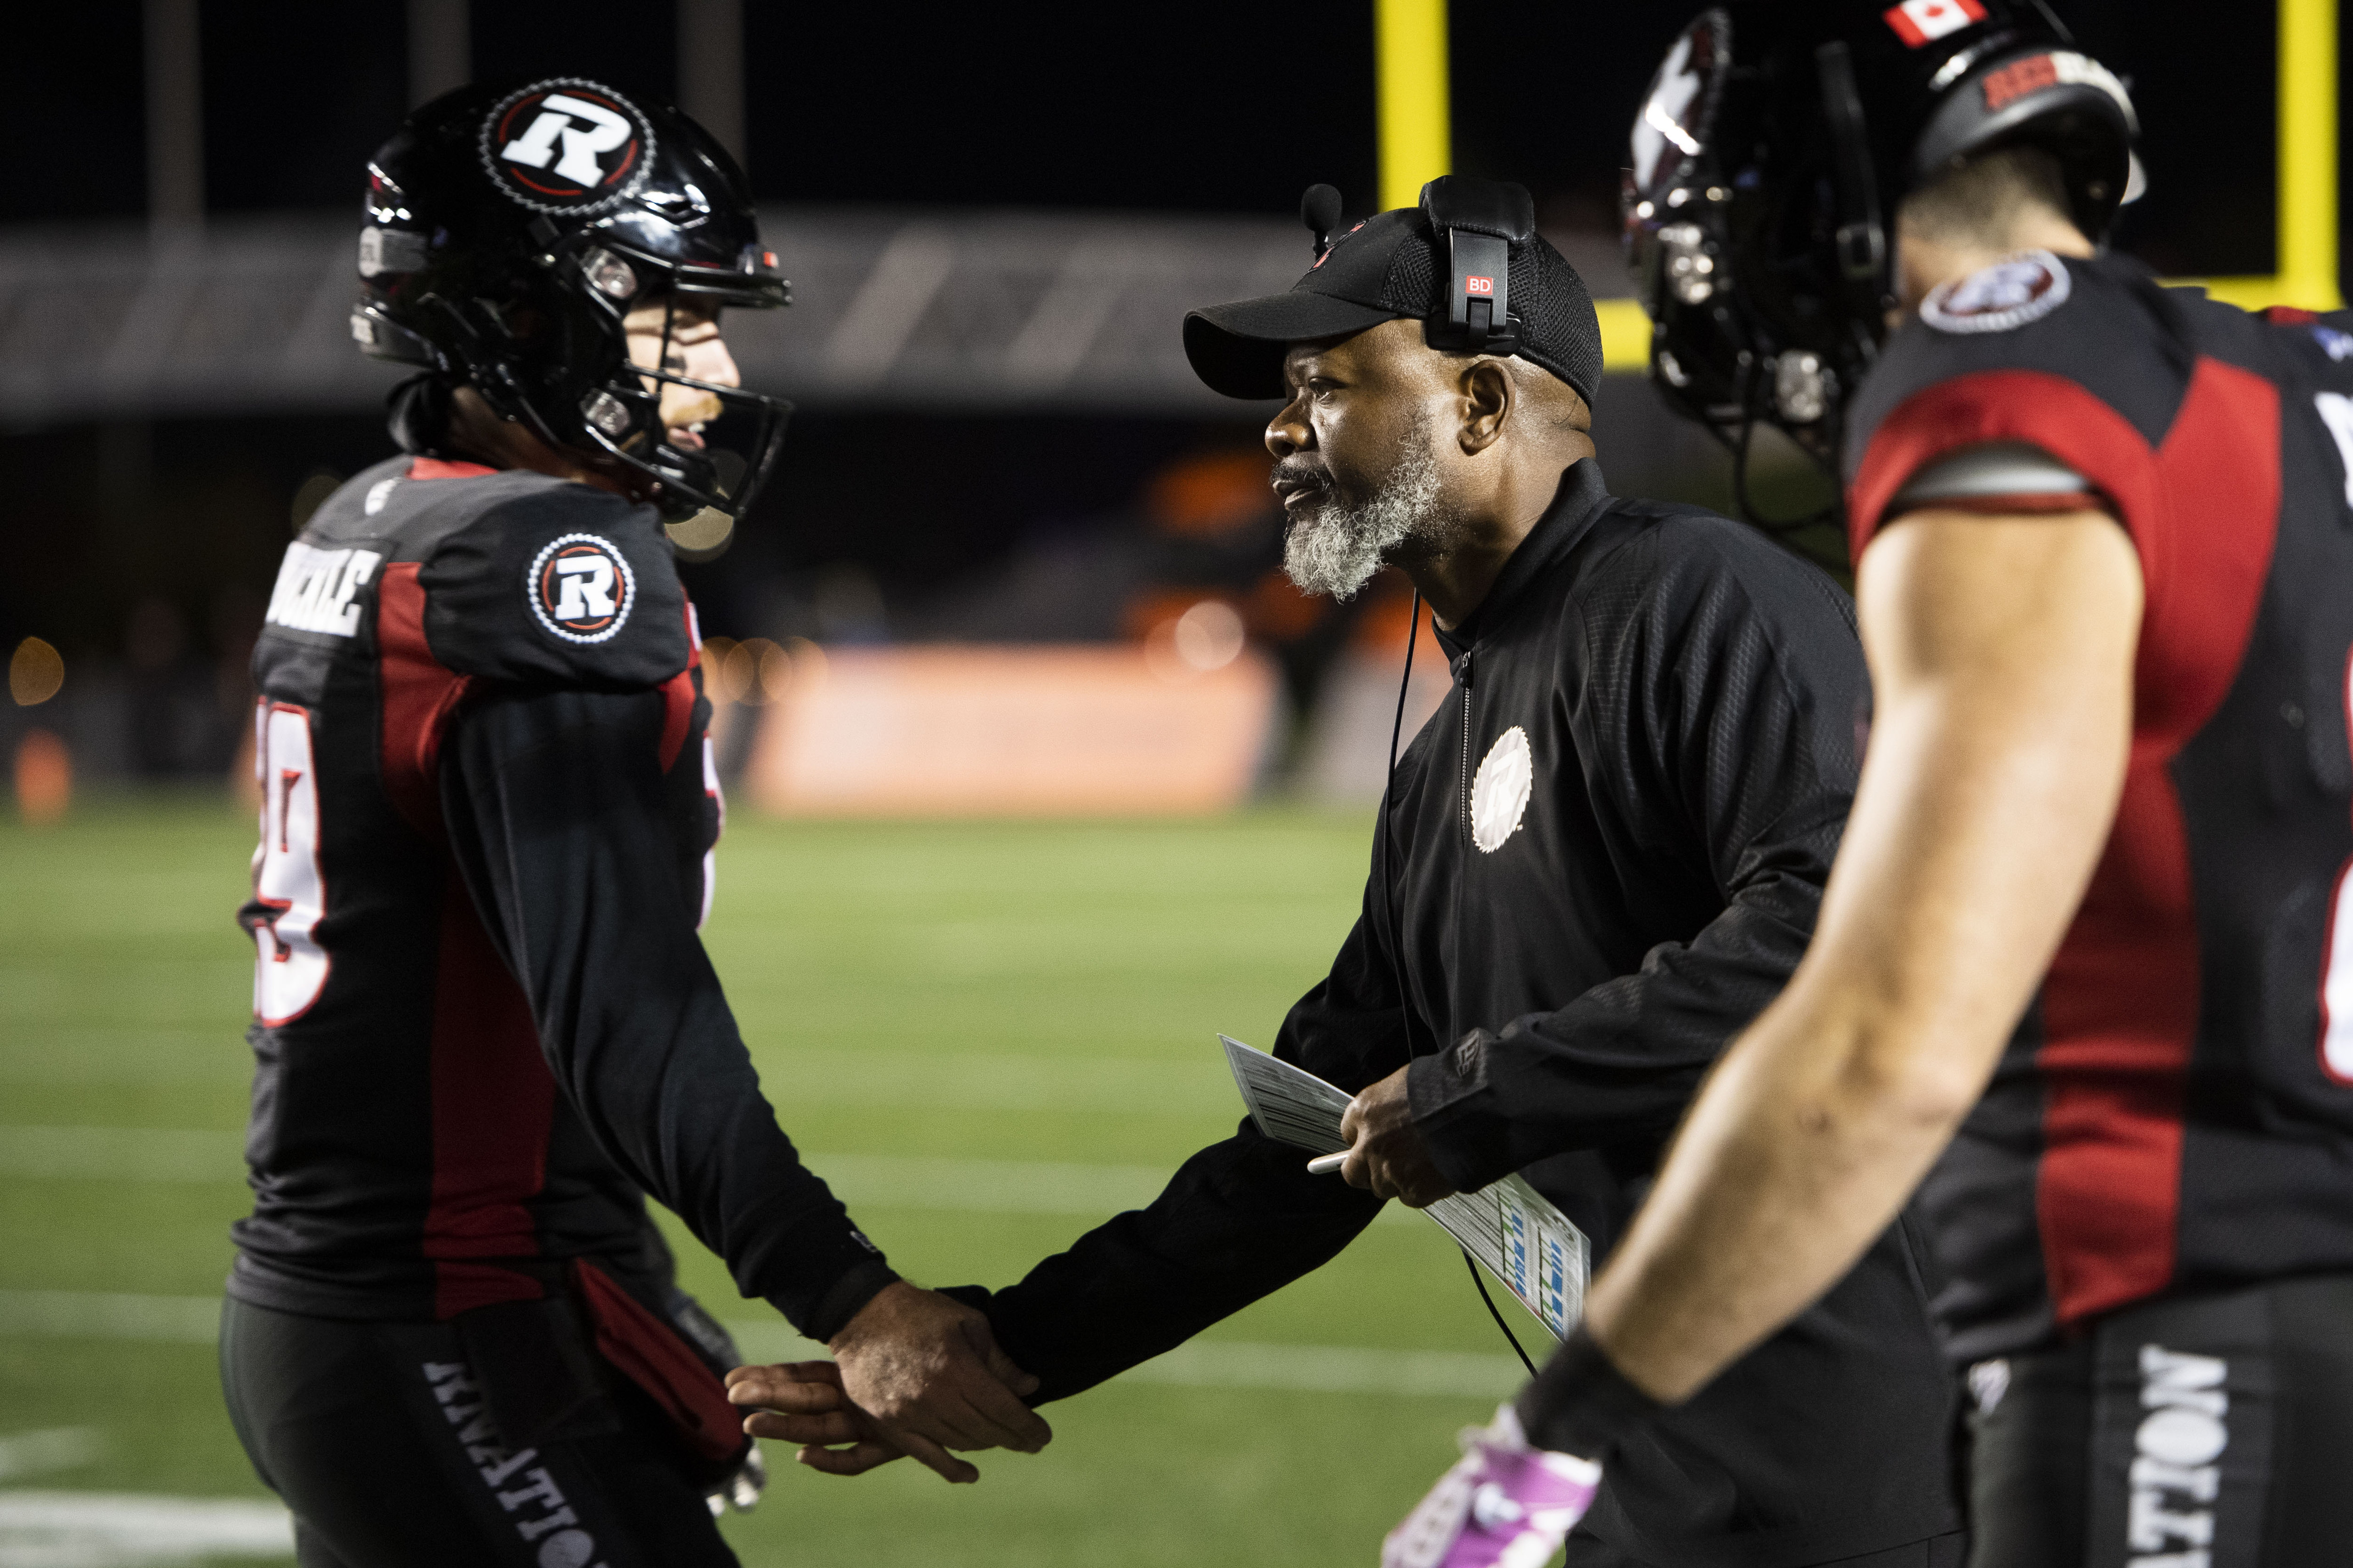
1208	105
1212	105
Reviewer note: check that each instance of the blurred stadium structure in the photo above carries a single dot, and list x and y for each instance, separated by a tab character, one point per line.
996	312
1078	509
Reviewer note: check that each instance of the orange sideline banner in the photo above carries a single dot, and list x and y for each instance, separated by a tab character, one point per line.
997	730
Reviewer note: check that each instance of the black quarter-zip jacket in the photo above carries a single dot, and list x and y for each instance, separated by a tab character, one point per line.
1607	850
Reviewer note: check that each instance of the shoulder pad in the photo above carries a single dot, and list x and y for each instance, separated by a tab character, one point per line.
563	585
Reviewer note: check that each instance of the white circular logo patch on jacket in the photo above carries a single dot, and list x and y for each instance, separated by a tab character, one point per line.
1498	795
581	587
2011	292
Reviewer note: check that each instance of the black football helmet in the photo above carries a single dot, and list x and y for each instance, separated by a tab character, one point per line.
1767	160
509	230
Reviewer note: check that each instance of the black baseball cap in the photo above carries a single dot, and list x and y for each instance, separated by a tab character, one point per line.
1390	266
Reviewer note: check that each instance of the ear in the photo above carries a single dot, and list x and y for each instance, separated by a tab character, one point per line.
1488	400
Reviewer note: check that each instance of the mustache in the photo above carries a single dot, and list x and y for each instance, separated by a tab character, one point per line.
1300	471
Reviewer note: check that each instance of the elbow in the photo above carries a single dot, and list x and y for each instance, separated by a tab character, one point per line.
1909	1083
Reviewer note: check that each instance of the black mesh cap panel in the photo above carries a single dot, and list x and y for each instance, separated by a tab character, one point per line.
1385	268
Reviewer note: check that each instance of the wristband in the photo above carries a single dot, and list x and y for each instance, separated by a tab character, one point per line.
1580	1403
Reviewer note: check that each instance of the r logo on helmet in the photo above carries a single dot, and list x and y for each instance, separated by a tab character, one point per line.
567	146
581	588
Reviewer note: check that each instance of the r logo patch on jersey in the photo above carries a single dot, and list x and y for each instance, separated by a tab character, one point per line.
2011	292
581	588
568	146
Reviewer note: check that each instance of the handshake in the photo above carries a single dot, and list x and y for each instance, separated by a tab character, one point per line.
914	1373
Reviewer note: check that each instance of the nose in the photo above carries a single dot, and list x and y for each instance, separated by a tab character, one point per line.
710	360
1289	431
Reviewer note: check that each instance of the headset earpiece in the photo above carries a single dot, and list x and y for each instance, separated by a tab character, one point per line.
1481	220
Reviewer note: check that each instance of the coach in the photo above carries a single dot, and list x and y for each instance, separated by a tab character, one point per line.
1604	854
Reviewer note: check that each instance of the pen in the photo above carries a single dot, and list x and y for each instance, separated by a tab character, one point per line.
1325	1164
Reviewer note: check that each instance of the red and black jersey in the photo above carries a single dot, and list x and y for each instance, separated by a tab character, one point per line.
485	1025
2176	1111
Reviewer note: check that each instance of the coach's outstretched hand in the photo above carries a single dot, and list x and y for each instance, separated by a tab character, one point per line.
914	1373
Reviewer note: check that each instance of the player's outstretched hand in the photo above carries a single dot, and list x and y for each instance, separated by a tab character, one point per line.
916	1373
1504	1504
1387	1155
801	1403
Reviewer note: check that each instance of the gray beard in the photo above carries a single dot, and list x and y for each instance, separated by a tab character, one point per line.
1336	549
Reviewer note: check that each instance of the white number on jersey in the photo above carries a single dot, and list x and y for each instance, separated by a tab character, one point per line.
289	967
2336	413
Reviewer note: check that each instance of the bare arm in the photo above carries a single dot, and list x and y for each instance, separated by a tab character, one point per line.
2001	653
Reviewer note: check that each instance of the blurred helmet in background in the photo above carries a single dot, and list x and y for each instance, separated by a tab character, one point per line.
508	232
1768	161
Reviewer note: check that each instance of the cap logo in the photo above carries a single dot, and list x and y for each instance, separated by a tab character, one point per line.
581	588
567	146
1472	285
1918	22
2011	292
1336	243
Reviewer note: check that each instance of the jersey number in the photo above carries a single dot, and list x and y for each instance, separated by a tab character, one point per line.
289	967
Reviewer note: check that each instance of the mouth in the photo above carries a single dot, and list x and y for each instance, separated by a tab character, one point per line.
1296	492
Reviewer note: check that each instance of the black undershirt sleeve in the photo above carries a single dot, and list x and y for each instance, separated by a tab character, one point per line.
1239	1220
1722	700
553	805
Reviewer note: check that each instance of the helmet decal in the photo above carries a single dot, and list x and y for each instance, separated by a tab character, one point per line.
581	588
1675	112
2059	68
567	146
1918	22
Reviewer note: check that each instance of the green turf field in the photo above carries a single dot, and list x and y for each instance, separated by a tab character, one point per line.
990	1036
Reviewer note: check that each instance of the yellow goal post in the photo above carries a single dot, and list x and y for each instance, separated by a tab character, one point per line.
1415	145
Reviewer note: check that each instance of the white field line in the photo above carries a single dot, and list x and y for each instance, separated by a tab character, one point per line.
110	1315
56	1448
1204	1364
885	1080
122	1154
121	1530
873	1181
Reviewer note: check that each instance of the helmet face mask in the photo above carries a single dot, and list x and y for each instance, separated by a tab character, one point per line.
1768	161
1724	264
511	236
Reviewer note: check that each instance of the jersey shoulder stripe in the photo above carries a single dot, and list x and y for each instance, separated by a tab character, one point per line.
2104	361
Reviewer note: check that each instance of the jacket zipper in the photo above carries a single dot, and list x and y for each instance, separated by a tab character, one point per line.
1465	792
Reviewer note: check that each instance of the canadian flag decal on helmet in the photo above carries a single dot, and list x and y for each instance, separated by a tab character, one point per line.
1918	22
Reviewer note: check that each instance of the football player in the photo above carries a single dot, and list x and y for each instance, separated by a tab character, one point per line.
2080	975
485	1026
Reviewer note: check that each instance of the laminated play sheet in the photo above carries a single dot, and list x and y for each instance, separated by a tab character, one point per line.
1506	1226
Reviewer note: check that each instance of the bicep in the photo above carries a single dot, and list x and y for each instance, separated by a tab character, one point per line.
2002	658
